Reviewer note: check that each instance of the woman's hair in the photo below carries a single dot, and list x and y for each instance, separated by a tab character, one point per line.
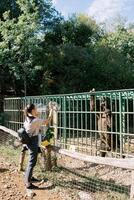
28	109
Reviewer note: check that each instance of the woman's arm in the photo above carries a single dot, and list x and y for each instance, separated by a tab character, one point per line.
47	121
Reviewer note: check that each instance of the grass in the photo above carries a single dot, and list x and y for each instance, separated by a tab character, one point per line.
12	156
9	153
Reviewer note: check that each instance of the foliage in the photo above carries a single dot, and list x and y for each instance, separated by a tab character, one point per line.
111	69
67	54
7	5
79	30
20	39
41	53
122	42
68	68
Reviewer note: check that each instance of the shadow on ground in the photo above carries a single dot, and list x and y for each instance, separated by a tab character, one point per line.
2	170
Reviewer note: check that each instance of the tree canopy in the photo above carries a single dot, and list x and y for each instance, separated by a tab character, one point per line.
42	53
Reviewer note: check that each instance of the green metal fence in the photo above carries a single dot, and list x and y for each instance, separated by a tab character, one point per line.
82	121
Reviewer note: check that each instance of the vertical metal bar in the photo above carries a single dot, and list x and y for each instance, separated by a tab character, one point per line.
60	121
64	123
116	124
73	120
81	110
86	142
92	126
69	118
77	120
121	127
13	125
95	133
127	124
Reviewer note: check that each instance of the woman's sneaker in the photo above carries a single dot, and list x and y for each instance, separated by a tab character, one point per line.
33	179
31	186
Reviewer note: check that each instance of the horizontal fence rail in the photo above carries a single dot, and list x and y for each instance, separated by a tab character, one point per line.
95	123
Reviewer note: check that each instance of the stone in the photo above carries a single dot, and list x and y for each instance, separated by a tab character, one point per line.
30	193
84	196
6	187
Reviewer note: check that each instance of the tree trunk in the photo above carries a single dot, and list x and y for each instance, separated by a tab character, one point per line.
1	103
25	85
1	98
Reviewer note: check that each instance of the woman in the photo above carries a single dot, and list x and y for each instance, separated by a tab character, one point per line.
32	125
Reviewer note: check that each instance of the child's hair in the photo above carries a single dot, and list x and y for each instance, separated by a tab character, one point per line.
28	109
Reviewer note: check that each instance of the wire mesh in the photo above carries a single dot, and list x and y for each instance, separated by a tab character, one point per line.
98	181
6	139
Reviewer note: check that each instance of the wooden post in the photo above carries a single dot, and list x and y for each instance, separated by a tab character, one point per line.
48	158
45	160
132	186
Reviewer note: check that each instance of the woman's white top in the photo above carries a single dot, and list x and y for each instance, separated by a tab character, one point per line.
33	126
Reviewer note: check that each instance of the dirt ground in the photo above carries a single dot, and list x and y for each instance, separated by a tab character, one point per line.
12	185
64	183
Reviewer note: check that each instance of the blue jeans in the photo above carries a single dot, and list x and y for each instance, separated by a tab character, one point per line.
33	153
